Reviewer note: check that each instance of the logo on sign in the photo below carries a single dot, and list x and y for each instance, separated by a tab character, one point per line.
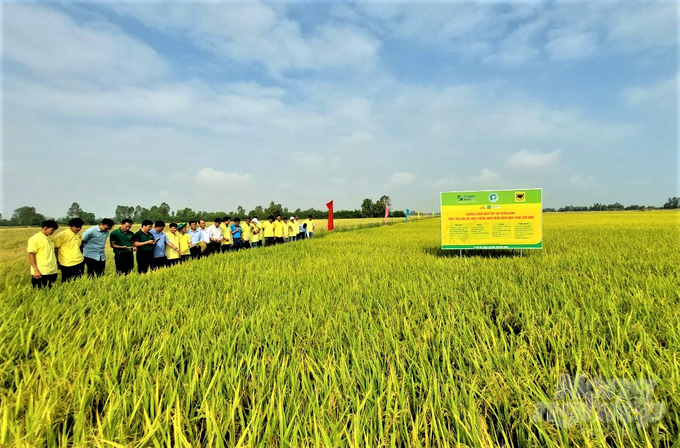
519	196
466	197
493	197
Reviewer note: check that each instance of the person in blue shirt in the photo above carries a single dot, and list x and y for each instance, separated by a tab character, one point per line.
235	229
94	242
159	258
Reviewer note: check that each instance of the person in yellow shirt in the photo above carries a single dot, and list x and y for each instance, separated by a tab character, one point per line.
286	230
184	243
278	230
268	230
255	233
228	239
310	226
292	229
246	233
69	254
172	250
41	256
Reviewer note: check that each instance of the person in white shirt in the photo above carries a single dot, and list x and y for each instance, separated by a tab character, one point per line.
215	237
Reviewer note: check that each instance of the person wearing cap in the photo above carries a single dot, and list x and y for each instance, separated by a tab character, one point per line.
69	255
268	230
255	235
185	245
172	251
41	256
245	233
292	229
236	232
310	226
121	243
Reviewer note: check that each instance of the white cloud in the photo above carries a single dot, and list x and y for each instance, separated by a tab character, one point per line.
402	178
52	44
486	175
257	33
212	177
530	159
572	46
661	96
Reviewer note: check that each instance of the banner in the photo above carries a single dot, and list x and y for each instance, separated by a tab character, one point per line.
387	212
492	219
330	215
407	210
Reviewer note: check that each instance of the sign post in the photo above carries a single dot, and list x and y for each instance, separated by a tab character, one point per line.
492	219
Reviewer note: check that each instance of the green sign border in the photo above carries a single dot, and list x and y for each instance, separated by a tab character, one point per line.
481	197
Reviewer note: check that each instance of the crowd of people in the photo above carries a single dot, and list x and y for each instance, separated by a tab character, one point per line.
153	248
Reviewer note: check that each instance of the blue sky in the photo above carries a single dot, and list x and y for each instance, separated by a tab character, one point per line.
215	105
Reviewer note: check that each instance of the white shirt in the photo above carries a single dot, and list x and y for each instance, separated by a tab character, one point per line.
205	233
214	233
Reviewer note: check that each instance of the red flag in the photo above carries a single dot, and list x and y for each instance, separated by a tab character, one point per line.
387	212
330	215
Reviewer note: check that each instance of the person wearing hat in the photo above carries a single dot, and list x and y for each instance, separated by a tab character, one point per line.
292	229
185	245
255	238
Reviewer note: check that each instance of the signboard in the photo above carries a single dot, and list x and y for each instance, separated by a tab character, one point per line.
492	219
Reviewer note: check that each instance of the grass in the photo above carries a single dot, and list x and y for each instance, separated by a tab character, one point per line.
366	338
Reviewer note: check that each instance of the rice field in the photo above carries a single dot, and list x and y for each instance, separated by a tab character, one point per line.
370	337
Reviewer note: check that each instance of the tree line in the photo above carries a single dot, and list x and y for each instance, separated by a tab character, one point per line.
28	216
671	204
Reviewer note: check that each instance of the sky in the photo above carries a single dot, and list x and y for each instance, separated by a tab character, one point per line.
215	105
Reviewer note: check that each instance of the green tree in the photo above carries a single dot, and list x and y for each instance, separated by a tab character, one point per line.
26	216
74	211
672	203
124	212
367	208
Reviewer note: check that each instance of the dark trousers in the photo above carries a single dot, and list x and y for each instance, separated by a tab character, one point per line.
238	243
125	261
172	262
186	258
246	245
256	244
195	252
95	268
158	262
144	258
279	240
226	248
212	248
72	272
269	241
44	281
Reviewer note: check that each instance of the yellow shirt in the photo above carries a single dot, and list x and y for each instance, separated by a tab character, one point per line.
43	247
184	243
254	237
294	228
278	229
268	228
245	232
68	243
174	239
310	225
286	229
226	235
